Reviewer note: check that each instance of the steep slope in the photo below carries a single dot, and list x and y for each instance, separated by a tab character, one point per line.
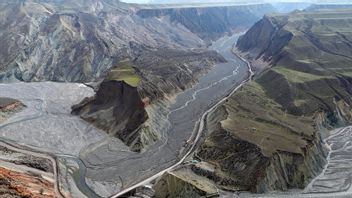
81	41
23	175
255	145
120	112
282	113
213	22
138	88
309	51
268	135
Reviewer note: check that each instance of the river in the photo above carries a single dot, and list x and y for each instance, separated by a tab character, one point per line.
47	126
183	117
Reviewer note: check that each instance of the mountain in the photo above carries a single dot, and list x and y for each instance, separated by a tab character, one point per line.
265	137
79	41
84	41
76	42
213	22
196	1
268	135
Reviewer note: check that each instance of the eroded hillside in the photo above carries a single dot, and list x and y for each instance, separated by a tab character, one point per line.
213	22
268	135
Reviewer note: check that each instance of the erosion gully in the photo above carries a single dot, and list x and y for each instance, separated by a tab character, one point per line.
186	123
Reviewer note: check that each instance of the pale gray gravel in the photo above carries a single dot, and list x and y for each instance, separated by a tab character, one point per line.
47	122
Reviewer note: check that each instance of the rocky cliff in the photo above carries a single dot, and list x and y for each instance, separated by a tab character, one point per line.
268	135
211	23
274	123
308	51
255	145
80	41
84	41
135	88
116	108
24	175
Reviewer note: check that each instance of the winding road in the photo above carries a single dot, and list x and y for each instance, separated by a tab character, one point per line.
48	111
200	124
106	163
46	125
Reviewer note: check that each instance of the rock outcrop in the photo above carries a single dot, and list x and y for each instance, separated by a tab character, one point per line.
24	175
268	135
256	146
169	71
77	42
310	56
183	183
81	41
118	109
275	121
8	107
214	22
16	184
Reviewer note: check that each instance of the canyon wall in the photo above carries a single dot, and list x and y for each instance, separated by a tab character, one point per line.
268	136
213	22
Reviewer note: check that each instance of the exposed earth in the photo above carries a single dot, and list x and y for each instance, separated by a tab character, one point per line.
101	98
275	134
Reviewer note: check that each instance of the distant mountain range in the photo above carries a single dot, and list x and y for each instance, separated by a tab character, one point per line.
250	1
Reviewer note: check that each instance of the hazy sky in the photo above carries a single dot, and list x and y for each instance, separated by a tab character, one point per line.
306	1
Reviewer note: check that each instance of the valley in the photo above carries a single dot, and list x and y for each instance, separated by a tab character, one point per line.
102	98
50	105
277	132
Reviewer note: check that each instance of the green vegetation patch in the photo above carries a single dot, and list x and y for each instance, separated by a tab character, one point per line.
125	72
348	73
297	76
256	118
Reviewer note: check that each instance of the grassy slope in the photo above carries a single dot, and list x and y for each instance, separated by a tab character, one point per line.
263	122
311	65
125	72
279	112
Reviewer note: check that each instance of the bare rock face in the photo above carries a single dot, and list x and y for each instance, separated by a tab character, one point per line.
310	56
117	109
169	71
268	135
214	22
76	42
257	147
23	175
267	38
81	41
183	183
15	184
8	107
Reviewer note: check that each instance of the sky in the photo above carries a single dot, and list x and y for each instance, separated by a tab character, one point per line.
306	1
